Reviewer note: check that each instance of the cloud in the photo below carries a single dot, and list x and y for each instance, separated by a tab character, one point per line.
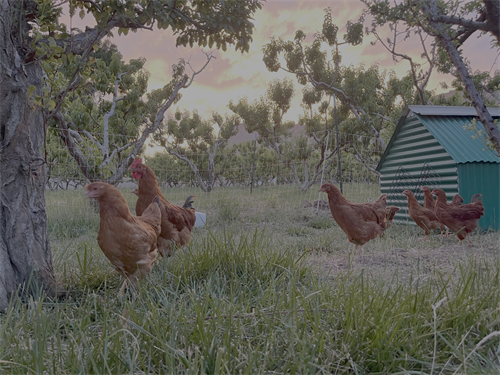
234	74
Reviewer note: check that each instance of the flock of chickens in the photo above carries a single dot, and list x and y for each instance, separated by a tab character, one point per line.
132	243
363	222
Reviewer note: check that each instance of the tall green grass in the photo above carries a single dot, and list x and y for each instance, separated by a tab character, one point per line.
229	304
243	298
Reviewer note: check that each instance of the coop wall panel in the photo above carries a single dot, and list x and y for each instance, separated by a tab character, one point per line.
482	178
415	159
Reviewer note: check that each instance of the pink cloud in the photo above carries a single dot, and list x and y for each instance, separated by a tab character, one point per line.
233	74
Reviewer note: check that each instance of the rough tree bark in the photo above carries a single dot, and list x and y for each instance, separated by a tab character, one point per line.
25	254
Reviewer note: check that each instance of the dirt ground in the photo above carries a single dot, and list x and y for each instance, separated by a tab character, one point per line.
409	262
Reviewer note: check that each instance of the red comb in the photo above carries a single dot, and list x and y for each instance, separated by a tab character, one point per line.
136	161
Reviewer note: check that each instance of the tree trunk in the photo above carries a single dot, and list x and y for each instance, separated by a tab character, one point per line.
445	40
478	103
24	247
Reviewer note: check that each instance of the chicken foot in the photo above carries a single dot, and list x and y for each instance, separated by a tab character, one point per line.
132	282
121	292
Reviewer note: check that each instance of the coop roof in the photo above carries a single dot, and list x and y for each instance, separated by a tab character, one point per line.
448	125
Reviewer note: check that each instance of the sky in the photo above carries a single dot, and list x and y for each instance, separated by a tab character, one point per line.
234	75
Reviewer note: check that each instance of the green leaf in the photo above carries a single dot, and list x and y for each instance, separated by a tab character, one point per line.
51	105
31	90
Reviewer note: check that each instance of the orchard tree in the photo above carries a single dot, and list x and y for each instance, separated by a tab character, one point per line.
106	119
103	118
450	24
321	68
319	122
258	163
31	37
265	116
169	171
199	143
370	100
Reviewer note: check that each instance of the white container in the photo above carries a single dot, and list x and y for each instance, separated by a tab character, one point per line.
201	219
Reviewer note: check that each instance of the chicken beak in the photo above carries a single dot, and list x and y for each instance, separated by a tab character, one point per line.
87	192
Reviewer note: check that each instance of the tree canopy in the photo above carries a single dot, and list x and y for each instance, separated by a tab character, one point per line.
200	143
81	72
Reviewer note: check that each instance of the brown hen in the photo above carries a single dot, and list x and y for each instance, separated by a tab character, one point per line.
176	222
423	217
428	198
462	220
379	208
390	212
129	242
360	221
457	200
477	198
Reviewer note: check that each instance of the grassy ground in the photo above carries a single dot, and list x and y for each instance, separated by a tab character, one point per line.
268	286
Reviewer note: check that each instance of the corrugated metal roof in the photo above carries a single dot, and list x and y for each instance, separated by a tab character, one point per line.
446	124
462	145
442	110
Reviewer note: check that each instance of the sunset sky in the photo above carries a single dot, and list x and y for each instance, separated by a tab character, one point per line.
234	75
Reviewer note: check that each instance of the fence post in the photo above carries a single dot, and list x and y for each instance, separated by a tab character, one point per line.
339	166
253	162
326	154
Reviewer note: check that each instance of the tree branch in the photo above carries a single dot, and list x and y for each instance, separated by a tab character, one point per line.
192	166
115	151
469	24
72	147
107	116
209	57
160	115
360	158
93	139
430	8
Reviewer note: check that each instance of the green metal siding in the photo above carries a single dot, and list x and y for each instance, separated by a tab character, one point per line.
482	178
411	148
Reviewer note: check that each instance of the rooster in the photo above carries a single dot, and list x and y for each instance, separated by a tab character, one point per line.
176	222
129	242
462	220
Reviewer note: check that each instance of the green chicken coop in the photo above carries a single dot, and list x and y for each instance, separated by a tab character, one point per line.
434	146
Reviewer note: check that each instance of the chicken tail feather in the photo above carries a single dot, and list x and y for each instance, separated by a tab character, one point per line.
188	202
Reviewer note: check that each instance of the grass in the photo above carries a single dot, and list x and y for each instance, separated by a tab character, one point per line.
266	287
